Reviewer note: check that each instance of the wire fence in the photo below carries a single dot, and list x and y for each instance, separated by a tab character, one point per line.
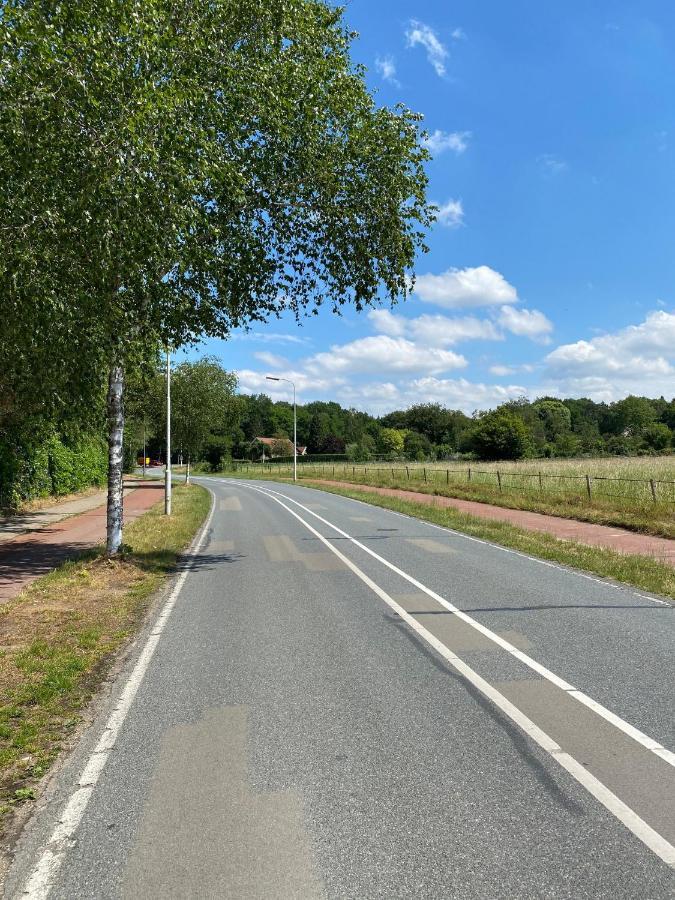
578	485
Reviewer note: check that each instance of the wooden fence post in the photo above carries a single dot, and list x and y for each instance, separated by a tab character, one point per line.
407	473
499	480
541	483
469	474
588	487
652	485
425	473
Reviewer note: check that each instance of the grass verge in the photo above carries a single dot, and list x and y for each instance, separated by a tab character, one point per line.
642	572
59	636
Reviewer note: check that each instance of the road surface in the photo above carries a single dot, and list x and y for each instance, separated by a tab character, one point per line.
337	701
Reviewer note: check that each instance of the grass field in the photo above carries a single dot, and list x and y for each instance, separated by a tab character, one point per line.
60	634
632	492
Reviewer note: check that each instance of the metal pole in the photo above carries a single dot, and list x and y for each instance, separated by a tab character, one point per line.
167	474
143	447
295	438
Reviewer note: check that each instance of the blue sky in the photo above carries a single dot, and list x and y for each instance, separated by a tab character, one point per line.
552	267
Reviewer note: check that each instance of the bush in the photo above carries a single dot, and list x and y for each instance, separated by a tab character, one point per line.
501	435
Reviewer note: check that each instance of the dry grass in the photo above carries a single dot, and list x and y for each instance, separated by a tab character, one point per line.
59	636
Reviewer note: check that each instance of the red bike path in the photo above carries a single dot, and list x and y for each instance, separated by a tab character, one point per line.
35	553
619	539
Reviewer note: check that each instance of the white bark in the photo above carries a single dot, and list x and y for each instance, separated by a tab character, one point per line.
115	406
187	470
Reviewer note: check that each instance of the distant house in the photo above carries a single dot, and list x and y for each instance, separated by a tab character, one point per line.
272	448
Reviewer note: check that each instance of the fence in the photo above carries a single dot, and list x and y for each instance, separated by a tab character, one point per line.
580	486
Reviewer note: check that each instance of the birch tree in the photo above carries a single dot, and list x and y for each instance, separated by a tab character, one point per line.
176	168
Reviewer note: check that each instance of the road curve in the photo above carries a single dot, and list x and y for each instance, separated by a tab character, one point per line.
337	701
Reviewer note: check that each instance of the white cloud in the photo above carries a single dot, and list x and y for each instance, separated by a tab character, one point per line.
455	393
383	353
271	359
434	331
440	141
269	337
552	165
459	35
422	35
251	382
636	359
526	322
471	287
450	214
502	371
386	66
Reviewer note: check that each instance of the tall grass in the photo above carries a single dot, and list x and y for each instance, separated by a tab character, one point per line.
636	493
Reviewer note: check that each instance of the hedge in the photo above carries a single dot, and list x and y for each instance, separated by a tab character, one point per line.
51	467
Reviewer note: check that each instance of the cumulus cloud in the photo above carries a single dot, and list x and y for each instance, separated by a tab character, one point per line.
419	34
636	359
440	141
527	323
456	393
471	287
269	337
271	359
382	353
386	66
450	214
438	331
252	382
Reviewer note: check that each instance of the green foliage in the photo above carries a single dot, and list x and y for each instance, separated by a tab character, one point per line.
390	442
657	436
500	435
50	467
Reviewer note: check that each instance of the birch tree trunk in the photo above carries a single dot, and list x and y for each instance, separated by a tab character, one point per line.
187	470
115	407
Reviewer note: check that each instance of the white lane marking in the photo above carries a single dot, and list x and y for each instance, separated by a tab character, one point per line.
647	742
644	832
41	879
469	537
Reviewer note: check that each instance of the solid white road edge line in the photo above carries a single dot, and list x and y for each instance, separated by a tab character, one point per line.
644	832
640	737
40	881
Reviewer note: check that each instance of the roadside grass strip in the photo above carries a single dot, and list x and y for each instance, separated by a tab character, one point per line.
59	637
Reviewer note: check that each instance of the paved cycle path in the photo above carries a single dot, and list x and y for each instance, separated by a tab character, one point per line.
35	553
619	539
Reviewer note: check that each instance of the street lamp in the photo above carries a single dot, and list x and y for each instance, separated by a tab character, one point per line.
167	471
295	425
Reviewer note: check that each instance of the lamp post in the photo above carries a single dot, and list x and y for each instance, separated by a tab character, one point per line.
167	474
295	424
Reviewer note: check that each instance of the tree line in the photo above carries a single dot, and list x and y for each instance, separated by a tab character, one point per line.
214	424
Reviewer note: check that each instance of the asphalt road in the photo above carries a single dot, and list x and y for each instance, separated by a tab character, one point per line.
341	702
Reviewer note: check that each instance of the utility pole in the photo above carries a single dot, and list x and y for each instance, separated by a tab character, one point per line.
143	446
167	474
